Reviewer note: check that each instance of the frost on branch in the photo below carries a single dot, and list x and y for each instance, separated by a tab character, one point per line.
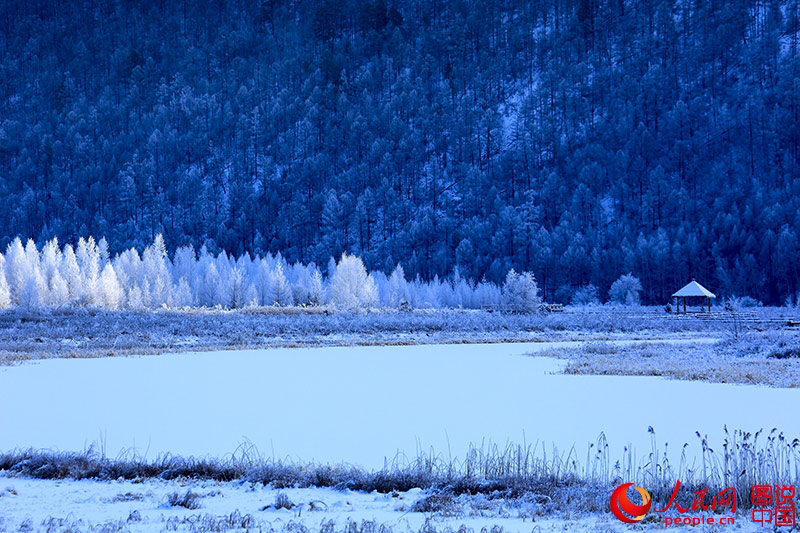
521	293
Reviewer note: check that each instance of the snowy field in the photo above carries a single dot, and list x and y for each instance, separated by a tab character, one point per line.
46	505
364	405
97	333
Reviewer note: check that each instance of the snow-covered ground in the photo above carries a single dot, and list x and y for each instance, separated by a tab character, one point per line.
96	333
365	405
46	505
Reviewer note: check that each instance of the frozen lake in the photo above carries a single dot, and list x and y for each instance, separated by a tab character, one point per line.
363	404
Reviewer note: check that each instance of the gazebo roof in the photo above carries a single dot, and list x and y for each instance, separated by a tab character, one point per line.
694	289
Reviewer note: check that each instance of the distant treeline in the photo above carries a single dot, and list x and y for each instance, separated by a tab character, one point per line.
576	139
52	277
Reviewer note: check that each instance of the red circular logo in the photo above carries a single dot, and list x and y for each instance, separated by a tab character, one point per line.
624	509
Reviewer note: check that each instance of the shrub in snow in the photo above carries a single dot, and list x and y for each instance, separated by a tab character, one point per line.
282	501
748	301
737	303
520	292
190	500
586	295
352	288
789	301
625	290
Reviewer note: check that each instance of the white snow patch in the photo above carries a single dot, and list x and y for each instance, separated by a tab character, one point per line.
48	505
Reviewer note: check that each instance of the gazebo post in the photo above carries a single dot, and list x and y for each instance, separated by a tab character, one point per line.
709	304
684	305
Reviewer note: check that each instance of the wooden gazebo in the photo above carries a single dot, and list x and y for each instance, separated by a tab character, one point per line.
693	290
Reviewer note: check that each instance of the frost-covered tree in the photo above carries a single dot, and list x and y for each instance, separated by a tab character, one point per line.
59	291
183	294
262	282
352	288
156	274
71	273
5	293
301	283
463	292
280	290
50	260
251	296
586	295
431	293
88	257
16	267
224	268
102	252
443	160
520	292
209	294
238	288
625	290
316	293
398	288
184	264
33	293
134	300
110	290
331	268
55	278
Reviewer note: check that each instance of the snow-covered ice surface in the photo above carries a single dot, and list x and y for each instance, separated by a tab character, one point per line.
364	405
332	405
47	505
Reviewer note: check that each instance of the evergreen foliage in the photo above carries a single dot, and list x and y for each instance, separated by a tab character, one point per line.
573	139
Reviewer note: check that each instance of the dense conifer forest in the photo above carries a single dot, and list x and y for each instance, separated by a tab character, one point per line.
576	139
